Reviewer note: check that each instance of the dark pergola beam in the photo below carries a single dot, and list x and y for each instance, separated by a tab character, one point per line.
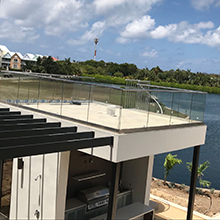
22	121
4	109
3	117
10	113
44	138
53	147
36	131
194	175
29	126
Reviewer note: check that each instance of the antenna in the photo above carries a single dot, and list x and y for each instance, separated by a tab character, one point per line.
96	40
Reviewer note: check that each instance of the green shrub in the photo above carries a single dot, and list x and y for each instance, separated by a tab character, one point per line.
171	185
159	183
212	190
187	189
199	191
182	186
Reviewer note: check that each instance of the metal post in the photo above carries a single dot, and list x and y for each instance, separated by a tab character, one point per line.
112	205
193	183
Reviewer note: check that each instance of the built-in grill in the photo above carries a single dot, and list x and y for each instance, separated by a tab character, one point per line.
94	197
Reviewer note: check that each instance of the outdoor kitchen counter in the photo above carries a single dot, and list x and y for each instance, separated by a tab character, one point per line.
130	212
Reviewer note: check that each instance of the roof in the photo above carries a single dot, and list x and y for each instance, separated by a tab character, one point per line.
4	48
19	54
9	54
28	56
54	59
36	56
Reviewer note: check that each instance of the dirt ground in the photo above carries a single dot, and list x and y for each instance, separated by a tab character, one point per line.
179	195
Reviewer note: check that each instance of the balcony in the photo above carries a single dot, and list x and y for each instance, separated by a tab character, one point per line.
134	106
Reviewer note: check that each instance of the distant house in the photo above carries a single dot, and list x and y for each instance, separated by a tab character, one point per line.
6	60
28	56
3	51
16	61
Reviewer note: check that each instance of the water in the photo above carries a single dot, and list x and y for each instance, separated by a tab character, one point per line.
210	151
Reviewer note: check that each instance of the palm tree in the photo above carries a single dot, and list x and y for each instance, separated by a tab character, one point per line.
170	162
201	169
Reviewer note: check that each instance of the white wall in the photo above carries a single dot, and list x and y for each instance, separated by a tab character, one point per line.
136	145
137	175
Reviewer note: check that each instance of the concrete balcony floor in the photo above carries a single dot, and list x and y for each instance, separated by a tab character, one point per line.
113	117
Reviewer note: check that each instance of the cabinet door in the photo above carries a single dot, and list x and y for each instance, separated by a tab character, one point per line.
120	202
76	214
128	199
124	200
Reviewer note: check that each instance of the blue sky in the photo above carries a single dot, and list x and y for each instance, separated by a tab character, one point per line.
171	34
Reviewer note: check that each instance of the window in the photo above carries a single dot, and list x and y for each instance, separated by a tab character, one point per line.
15	60
15	66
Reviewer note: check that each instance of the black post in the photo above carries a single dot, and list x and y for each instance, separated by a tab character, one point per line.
193	183
112	205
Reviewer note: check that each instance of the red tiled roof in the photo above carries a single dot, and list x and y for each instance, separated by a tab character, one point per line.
55	59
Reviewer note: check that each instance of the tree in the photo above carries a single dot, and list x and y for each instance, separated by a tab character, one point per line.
170	162
201	169
118	74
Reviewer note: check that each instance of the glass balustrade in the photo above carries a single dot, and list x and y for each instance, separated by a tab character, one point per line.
105	105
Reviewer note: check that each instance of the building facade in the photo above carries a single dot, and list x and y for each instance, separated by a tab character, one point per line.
16	61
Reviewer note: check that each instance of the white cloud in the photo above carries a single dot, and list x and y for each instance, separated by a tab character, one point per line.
204	4
104	5
123	40
60	17
205	25
149	53
188	33
163	31
138	28
54	16
95	32
182	32
212	38
121	12
17	34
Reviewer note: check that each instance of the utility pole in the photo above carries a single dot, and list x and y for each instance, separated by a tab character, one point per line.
96	42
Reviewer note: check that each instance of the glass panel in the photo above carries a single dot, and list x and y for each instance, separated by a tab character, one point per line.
9	87
198	107
133	113
160	108
33	91
181	108
24	87
50	95
103	109
75	100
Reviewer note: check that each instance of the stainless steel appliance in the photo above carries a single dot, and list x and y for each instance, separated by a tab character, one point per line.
94	197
